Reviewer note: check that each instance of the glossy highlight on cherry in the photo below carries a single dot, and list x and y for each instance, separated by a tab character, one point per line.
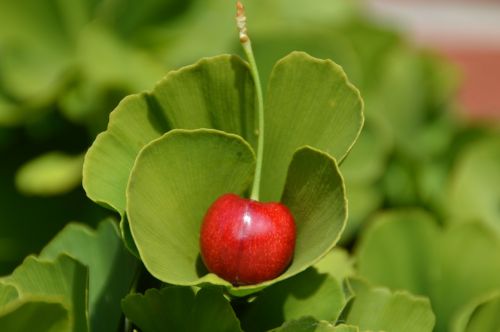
245	241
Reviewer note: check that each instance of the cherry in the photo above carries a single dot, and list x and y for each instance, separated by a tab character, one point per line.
245	241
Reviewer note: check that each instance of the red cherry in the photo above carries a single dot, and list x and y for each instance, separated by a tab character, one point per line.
245	241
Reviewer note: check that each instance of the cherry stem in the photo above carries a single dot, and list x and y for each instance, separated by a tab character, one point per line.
247	47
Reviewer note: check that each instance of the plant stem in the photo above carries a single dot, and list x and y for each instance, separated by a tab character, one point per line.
247	47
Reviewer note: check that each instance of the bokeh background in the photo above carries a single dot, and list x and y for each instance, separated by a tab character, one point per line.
429	72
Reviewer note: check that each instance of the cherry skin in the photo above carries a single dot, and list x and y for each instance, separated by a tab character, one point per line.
245	241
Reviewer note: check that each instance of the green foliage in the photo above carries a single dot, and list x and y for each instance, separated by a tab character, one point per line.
337	263
169	152
314	192
362	170
33	314
426	258
175	308
306	294
165	203
55	44
372	309
65	295
111	268
27	223
201	95
174	181
309	102
380	310
414	234
63	279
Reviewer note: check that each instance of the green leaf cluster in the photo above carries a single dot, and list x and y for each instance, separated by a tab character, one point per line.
309	301
175	308
169	153
414	152
75	284
456	267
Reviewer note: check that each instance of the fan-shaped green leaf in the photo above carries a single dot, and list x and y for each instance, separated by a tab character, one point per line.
309	102
34	314
174	181
306	294
214	93
64	279
315	194
380	310
111	268
177	308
